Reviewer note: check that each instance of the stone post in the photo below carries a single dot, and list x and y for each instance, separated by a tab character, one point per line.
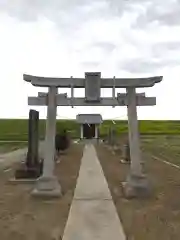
109	136
32	167
33	139
96	131
113	137
137	183
126	153
48	185
81	129
133	128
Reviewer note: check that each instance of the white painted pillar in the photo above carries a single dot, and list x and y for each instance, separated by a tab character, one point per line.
135	152
82	135
96	131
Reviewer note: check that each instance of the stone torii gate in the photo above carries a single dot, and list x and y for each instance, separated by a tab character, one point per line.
47	185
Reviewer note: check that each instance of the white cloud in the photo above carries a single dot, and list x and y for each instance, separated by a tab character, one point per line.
121	38
163	12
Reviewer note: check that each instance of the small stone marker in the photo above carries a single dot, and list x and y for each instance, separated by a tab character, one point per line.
112	136
126	153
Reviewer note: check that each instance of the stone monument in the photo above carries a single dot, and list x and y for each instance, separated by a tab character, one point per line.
32	168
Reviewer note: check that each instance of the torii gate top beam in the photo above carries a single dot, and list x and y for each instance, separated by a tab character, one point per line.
104	82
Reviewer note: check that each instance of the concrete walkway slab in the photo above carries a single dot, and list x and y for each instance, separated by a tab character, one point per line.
92	214
93	220
91	183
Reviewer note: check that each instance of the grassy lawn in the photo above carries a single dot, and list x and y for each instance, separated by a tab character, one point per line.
11	146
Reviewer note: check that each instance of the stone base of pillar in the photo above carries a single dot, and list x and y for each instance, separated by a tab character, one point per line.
137	186
47	187
28	173
22	180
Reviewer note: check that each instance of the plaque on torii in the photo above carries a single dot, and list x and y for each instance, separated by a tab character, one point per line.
92	84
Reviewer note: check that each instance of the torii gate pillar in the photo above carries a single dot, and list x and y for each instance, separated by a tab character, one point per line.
47	184
137	183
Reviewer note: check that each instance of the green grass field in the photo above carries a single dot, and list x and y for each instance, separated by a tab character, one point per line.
17	129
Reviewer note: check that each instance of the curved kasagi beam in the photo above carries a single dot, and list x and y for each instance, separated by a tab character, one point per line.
80	82
53	82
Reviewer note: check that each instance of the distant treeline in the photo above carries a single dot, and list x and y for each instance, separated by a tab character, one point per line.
17	129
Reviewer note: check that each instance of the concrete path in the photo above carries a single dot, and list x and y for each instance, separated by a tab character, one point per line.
92	214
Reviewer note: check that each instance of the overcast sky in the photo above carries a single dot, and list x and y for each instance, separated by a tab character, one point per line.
60	38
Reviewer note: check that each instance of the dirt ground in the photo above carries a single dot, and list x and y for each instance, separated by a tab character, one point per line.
165	147
6	147
23	217
146	219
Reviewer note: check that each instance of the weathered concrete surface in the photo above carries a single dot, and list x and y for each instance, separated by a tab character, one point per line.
93	220
91	183
92	214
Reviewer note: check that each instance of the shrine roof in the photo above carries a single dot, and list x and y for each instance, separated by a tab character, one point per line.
89	118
